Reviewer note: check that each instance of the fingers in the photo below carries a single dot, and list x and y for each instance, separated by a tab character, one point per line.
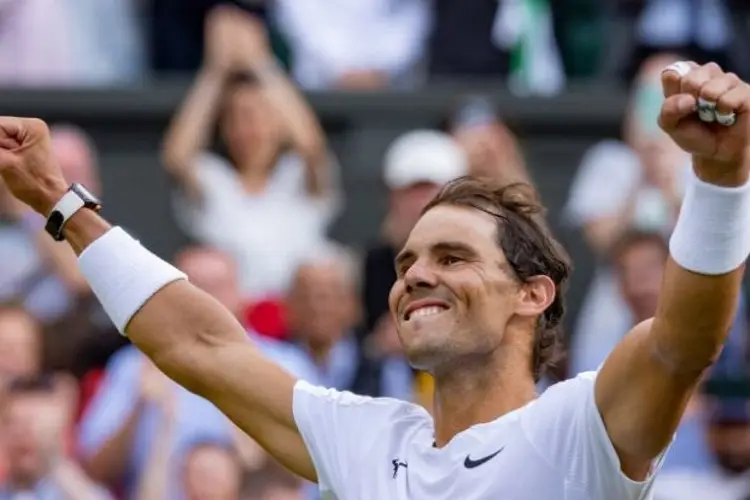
11	132
676	108
718	95
671	76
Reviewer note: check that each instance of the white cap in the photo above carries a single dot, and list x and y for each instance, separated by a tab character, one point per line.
424	156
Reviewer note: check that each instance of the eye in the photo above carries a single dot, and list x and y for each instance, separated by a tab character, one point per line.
451	260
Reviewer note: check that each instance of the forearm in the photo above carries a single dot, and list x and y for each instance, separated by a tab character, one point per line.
109	464
191	128
696	308
153	482
305	132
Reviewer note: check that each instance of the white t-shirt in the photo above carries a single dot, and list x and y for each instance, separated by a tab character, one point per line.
553	448
268	234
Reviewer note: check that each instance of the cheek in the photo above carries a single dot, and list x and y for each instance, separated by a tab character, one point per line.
397	290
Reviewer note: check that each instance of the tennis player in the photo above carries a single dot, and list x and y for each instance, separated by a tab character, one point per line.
477	297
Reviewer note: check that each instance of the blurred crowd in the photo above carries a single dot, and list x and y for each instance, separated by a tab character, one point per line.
256	187
535	45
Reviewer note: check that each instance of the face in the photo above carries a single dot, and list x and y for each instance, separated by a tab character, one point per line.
455	293
22	448
321	304
640	269
214	273
249	123
211	474
19	345
731	446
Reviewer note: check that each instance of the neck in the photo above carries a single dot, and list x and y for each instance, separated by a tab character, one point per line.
255	169
481	391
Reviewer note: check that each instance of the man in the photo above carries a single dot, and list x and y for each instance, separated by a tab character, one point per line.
36	415
476	307
415	167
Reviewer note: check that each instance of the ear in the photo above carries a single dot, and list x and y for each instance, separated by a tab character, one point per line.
535	296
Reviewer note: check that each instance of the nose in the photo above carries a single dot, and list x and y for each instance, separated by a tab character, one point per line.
419	275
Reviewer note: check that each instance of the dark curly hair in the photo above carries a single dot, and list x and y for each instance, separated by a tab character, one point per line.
528	246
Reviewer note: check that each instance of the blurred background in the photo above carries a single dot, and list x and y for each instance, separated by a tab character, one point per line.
279	152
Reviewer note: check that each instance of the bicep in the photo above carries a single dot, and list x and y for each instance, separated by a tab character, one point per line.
200	345
640	400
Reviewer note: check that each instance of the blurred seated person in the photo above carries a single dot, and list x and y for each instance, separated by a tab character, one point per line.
20	344
207	469
273	196
635	183
490	146
727	430
37	414
273	482
362	45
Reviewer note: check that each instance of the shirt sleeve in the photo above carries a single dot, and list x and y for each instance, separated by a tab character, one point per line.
565	427
331	423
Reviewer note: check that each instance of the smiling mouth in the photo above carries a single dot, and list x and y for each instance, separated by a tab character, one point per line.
423	312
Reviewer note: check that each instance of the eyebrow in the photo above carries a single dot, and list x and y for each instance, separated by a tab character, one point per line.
443	246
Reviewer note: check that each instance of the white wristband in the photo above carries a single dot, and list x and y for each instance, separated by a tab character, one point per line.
712	235
124	275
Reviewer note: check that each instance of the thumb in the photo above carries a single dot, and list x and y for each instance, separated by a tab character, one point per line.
676	108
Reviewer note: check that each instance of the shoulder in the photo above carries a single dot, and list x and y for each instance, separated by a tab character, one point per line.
382	410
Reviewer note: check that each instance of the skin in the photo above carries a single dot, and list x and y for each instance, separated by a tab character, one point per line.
641	390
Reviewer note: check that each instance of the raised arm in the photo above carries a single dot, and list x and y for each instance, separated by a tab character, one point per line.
644	386
190	130
304	131
185	332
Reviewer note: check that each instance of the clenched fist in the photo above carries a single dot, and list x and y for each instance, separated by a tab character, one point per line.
720	146
27	164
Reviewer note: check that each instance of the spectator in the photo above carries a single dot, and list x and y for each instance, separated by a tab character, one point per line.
367	44
273	482
36	417
20	344
702	30
619	186
264	205
728	432
322	315
211	471
491	148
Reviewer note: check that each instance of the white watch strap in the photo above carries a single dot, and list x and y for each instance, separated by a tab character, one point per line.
68	205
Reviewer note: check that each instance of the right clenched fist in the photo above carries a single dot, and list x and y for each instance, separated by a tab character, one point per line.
27	164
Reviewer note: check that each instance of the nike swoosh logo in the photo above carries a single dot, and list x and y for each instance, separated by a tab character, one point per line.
470	464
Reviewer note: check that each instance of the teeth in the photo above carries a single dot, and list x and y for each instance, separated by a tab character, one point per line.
425	311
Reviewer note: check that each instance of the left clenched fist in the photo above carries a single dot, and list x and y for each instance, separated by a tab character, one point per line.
706	113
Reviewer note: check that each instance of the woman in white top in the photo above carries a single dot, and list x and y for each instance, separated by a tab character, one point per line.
273	198
619	186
